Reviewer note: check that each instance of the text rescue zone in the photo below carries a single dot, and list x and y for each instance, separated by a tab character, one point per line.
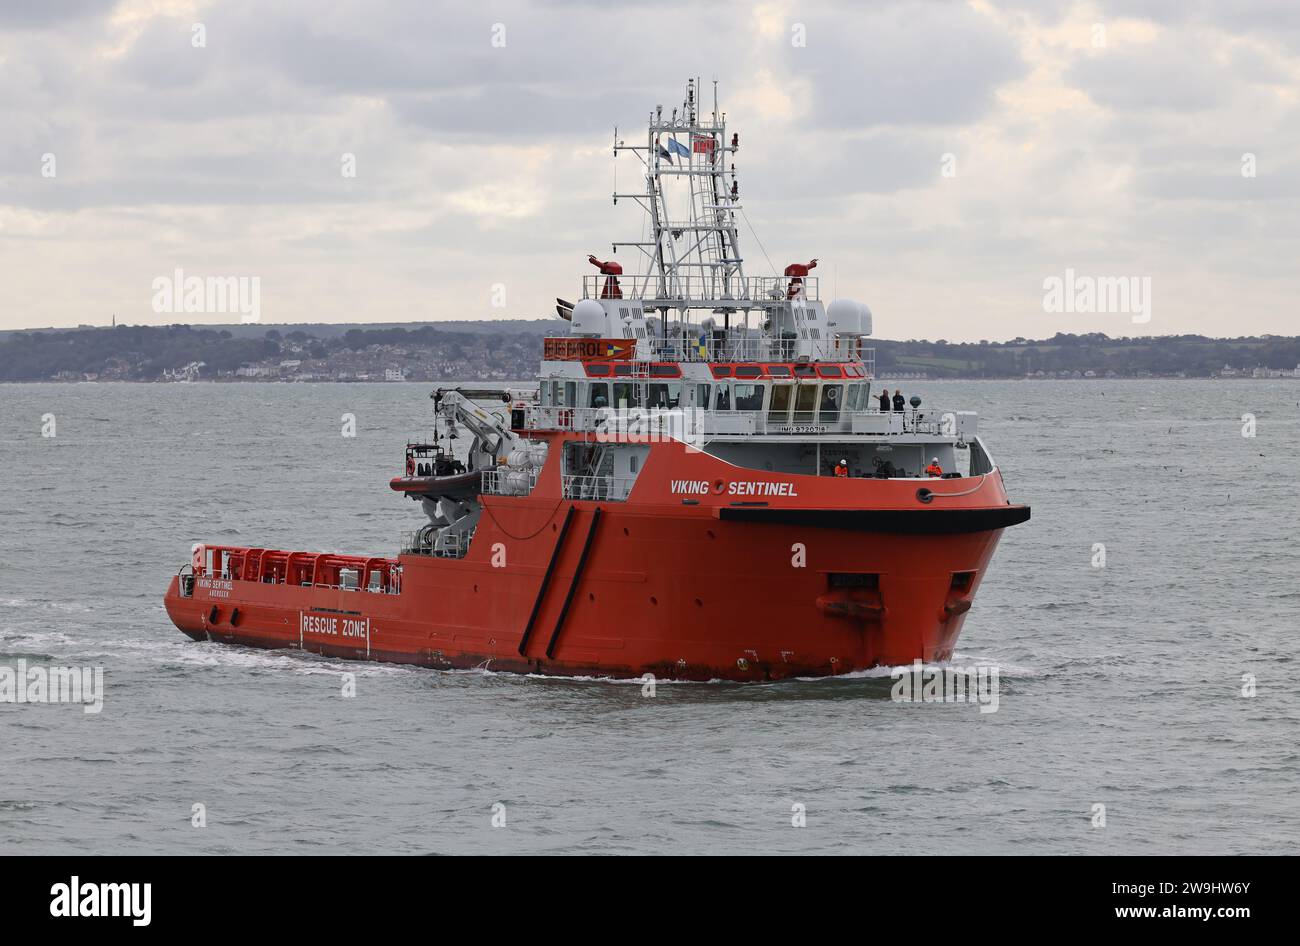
331	625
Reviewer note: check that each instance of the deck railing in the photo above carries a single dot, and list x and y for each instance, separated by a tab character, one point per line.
649	425
508	482
598	488
722	288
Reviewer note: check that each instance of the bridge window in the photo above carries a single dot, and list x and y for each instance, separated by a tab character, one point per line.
626	395
805	404
749	397
850	397
830	406
663	396
702	396
779	410
722	399
599	395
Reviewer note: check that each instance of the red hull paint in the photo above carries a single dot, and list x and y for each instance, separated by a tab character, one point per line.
669	587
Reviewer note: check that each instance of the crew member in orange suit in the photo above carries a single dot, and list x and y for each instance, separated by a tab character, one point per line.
934	469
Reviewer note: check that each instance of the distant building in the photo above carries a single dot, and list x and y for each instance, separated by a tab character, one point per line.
255	371
188	372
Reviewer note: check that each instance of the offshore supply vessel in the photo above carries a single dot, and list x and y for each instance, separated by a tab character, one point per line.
704	485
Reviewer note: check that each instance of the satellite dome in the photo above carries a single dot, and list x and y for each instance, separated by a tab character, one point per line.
847	317
589	318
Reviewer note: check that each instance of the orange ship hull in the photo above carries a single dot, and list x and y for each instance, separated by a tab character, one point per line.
821	576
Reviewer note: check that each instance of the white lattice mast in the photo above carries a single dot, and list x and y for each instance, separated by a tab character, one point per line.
692	255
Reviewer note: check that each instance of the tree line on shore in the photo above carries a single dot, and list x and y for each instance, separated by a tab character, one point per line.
145	353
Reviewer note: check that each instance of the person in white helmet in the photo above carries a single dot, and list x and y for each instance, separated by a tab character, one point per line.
934	469
842	468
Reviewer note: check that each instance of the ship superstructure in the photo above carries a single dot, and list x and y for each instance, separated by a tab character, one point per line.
703	486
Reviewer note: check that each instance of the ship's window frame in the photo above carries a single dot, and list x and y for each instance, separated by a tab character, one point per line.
805	405
570	394
748	371
702	392
664	396
748	404
835	394
785	394
598	389
852	398
722	396
622	387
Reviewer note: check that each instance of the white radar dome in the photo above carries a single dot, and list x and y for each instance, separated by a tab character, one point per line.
589	318
846	317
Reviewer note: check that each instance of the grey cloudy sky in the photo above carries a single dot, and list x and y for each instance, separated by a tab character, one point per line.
1114	153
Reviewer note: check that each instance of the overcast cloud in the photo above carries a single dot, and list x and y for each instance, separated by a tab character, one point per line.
1105	137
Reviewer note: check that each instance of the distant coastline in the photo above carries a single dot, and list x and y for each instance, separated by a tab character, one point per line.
505	351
